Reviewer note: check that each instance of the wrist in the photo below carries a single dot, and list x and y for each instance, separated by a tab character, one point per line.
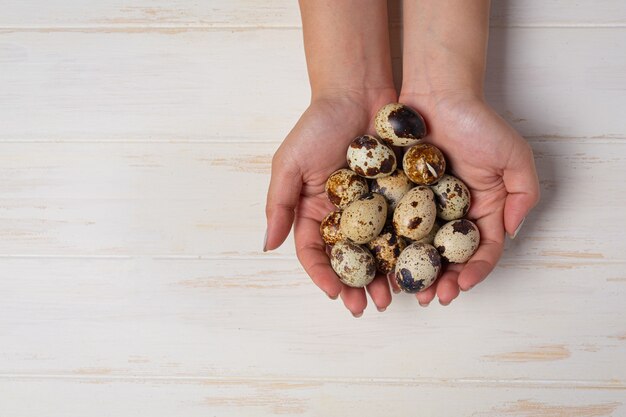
366	97
445	48
443	73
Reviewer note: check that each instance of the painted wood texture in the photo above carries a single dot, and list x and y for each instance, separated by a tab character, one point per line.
162	86
197	397
146	317
207	199
94	14
135	147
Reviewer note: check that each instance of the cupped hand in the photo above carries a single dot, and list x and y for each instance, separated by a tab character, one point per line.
314	149
497	165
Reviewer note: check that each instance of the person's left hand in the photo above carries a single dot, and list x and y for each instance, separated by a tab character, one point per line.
498	167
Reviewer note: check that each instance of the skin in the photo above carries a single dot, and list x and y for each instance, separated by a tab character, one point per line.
349	65
444	64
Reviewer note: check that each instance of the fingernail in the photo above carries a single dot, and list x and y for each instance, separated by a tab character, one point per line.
265	242
397	290
443	304
357	315
381	309
332	297
518	228
423	304
466	289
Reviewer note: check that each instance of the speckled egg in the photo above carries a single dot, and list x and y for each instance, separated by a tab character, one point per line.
392	187
386	249
344	186
330	229
424	163
430	237
399	125
452	197
370	157
353	264
418	267
457	240
364	218
415	214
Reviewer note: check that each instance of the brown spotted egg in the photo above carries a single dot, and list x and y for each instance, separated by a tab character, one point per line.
418	267
344	186
330	230
353	264
424	163
430	237
399	125
452	197
457	240
364	218
386	248
370	157
392	187
415	214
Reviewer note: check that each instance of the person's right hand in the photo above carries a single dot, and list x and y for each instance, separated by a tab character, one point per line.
314	149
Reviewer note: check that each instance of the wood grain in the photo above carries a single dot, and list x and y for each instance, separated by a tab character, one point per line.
274	13
224	85
207	199
128	397
135	148
153	318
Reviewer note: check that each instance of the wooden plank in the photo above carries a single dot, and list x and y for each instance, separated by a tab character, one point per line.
231	85
97	397
275	13
208	199
527	326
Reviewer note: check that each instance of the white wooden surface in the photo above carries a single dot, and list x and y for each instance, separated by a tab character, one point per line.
135	140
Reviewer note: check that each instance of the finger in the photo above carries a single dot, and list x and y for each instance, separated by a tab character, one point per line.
391	277
282	199
448	286
311	253
488	253
379	292
354	300
426	296
522	185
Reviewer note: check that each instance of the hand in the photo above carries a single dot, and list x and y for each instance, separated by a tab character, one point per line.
497	165
313	150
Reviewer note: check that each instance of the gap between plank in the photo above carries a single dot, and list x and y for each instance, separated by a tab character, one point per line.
574	262
451	382
240	27
601	139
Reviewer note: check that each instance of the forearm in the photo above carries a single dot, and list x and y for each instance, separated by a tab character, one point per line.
347	46
445	46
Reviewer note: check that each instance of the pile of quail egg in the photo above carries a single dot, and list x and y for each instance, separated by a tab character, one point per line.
409	221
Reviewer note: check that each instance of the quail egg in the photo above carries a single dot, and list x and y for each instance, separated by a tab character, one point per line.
329	228
452	197
399	125
457	240
353	264
370	157
392	187
344	186
418	267
415	214
386	248
364	218
424	163
430	237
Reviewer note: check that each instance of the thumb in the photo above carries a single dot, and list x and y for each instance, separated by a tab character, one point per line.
282	199
522	185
